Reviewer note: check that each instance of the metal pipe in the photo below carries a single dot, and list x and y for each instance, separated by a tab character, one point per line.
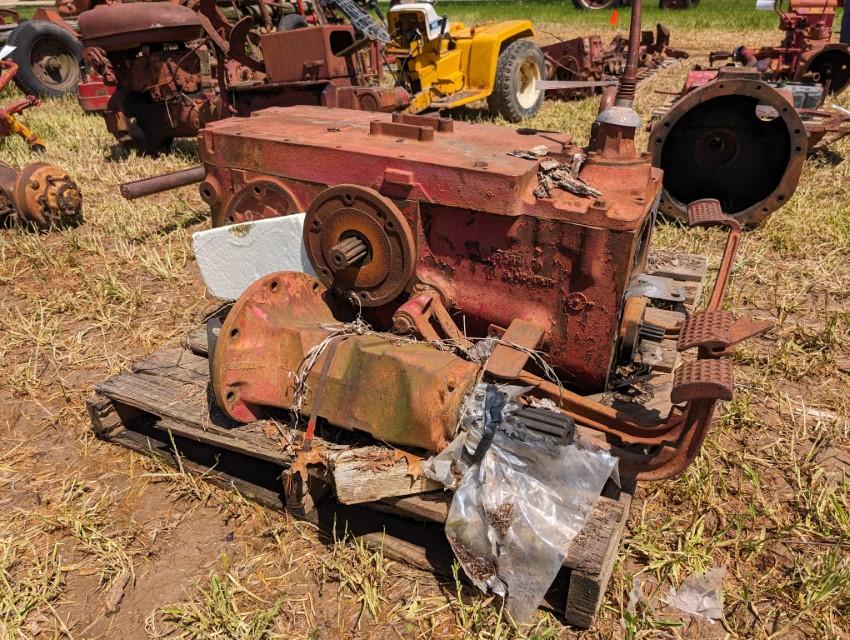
628	81
165	182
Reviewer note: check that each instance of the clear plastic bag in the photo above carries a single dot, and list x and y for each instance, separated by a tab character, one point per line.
516	511
700	595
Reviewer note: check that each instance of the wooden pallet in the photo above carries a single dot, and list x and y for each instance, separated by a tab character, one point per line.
163	408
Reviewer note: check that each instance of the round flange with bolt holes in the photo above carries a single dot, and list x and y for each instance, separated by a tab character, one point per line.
359	243
240	370
258	200
737	140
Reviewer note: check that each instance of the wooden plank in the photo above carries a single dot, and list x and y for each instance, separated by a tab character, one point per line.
367	474
670	356
598	544
231	442
177	364
693	290
664	318
106	417
676	265
196	341
432	507
186	403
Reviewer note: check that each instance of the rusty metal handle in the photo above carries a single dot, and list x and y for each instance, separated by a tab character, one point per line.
708	213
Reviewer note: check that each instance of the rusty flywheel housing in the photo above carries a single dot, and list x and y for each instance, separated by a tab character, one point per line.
734	139
359	243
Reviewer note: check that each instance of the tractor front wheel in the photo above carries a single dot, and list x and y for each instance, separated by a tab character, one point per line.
48	58
515	94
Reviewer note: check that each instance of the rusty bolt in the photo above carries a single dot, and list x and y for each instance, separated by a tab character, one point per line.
576	301
402	324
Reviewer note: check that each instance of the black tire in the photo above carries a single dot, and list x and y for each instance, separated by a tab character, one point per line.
292	21
48	59
596	4
148	126
513	97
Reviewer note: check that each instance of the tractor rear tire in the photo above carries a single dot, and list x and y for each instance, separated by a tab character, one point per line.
48	59
596	4
514	96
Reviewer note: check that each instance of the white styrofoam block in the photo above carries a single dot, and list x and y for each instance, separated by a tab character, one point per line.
233	257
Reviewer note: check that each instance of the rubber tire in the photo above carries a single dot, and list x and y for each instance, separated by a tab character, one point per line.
503	100
292	21
150	137
599	4
23	37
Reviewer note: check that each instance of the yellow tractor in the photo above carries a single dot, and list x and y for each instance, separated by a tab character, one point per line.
445	66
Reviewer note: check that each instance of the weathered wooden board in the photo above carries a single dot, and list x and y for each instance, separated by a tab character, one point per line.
367	474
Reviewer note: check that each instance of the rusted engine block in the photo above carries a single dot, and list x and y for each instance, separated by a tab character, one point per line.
170	70
806	53
588	60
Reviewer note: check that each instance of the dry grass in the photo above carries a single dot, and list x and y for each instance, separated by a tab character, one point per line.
767	499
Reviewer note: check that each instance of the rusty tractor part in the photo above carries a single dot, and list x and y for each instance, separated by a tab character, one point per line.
806	53
162	71
538	271
39	194
430	236
735	139
587	60
421	388
158	184
824	126
9	122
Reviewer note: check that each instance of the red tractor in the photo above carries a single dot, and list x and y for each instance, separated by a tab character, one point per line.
161	71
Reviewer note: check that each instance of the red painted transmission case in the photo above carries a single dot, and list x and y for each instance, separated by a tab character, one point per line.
502	228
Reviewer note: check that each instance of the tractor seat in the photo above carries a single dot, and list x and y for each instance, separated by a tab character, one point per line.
129	26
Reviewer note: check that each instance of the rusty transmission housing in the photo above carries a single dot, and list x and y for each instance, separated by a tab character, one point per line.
397	205
435	232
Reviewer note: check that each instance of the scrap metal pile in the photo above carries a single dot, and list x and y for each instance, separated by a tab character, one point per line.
458	290
165	70
415	224
436	223
571	63
806	53
467	293
40	194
